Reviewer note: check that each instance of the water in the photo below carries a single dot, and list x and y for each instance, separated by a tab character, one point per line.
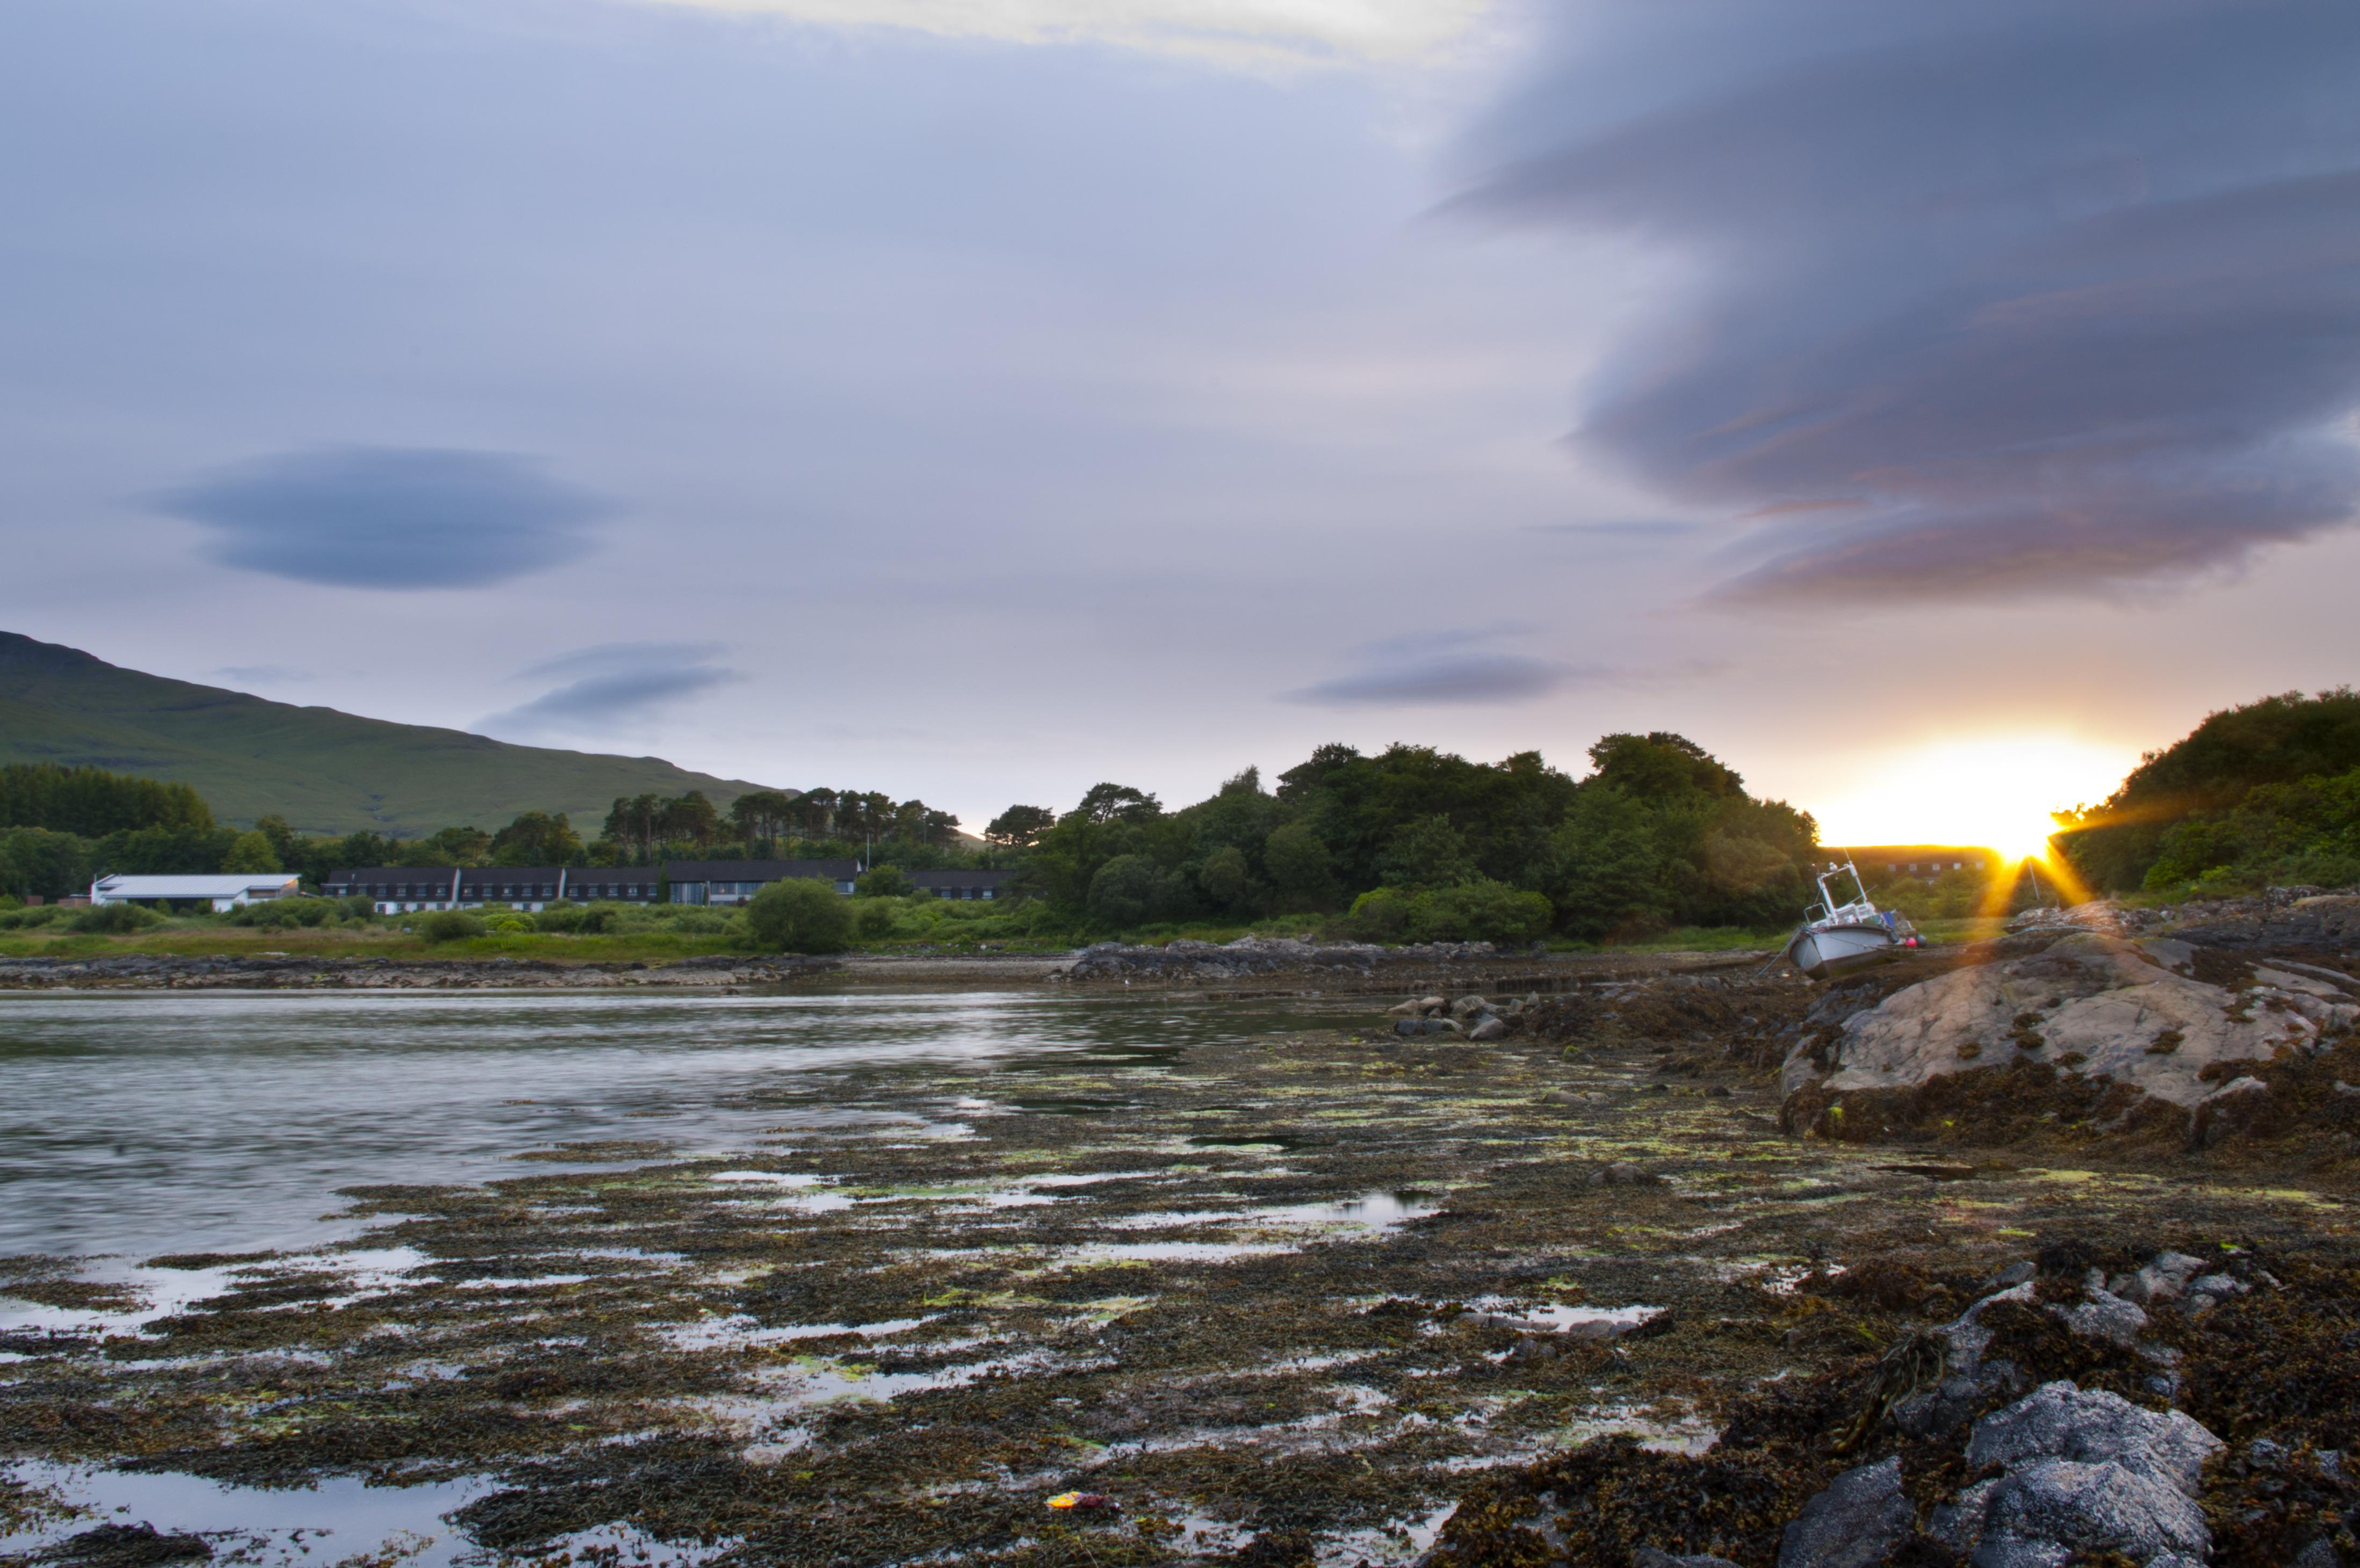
136	1123
142	1124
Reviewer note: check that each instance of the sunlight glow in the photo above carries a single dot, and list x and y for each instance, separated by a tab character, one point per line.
1989	791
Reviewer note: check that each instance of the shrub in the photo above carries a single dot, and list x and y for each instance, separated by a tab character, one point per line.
1477	910
800	915
450	925
1480	911
883	882
115	920
278	914
876	918
1380	914
514	922
26	920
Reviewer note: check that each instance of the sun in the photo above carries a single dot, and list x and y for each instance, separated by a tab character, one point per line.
1993	791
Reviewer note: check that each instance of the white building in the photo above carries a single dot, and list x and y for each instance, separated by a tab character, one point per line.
222	892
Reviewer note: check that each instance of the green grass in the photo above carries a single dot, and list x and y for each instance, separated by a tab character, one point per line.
325	771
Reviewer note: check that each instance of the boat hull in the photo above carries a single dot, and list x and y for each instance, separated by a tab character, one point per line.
1821	951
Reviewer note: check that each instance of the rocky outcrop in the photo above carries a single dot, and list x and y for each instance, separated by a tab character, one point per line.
2107	1006
1252	955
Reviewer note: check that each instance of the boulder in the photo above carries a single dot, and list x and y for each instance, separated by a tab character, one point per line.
1622	1173
1468	1007
1491	1026
2082	1473
2106	1001
2102	1315
2242	1107
2163	1278
1860	1518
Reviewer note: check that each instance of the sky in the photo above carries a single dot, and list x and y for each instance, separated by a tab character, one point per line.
1925	408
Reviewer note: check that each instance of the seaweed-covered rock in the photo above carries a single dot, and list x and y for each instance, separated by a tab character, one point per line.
2084	1472
2105	1003
1855	1523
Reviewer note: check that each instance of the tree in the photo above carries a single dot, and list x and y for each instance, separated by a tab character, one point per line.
635	823
1430	854
1019	827
761	816
692	817
93	802
1607	871
458	846
536	838
1662	766
800	915
1125	891
814	813
1228	881
251	851
284	842
1299	867
1111	803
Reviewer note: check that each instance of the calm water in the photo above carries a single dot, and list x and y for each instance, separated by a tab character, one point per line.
139	1123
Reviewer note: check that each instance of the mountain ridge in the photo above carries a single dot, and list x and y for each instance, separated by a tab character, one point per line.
325	770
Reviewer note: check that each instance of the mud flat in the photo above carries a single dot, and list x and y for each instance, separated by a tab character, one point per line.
1332	1296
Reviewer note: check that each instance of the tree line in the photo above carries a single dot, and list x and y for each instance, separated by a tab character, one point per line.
2265	793
62	827
1418	843
1409	844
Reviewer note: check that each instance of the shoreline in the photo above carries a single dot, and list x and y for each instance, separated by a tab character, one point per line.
1387	974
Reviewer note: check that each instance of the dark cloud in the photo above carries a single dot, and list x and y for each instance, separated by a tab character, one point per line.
613	684
389	517
1996	299
1447	669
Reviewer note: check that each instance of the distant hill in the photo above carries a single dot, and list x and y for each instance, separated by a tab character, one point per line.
325	771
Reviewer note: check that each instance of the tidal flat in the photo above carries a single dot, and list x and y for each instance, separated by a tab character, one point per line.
859	1279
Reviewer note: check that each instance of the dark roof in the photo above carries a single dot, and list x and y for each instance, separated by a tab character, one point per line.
411	874
759	870
521	875
958	878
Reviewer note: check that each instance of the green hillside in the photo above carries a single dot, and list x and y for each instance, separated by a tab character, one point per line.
325	771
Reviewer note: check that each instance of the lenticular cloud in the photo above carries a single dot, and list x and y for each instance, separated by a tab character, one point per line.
1996	299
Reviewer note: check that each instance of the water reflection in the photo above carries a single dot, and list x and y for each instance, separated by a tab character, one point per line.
187	1122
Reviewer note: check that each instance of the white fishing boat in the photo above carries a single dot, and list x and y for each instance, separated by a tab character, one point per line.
1838	937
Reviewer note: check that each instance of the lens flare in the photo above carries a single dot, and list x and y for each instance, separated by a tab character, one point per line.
1993	793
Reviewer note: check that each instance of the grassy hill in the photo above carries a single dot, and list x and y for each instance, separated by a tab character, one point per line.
325	771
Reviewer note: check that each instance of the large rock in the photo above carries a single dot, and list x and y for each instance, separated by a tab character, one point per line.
2110	1005
1862	1515
2084	1472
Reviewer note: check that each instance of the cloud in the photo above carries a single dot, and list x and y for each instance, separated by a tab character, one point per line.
1996	299
391	518
613	684
1254	33
1447	669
